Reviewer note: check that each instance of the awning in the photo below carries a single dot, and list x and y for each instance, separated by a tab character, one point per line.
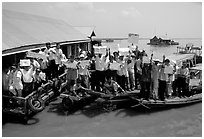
22	31
178	58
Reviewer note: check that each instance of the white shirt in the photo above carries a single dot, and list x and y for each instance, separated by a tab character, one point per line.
27	75
58	56
100	63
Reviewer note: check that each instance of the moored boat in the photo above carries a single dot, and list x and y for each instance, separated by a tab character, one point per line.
168	103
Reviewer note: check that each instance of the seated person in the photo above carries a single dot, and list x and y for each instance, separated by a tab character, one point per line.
78	90
112	87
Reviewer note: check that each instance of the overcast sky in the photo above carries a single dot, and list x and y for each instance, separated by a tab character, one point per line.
117	19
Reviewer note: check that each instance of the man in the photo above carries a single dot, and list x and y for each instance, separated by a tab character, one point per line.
83	72
131	72
100	70
121	72
146	78
138	71
25	78
72	71
183	75
111	87
58	57
169	70
155	77
162	81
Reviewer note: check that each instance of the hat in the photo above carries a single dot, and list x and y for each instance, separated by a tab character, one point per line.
25	62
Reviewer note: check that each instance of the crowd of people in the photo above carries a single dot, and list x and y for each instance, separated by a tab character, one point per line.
111	72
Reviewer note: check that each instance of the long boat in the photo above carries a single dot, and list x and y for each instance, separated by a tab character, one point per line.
168	103
195	87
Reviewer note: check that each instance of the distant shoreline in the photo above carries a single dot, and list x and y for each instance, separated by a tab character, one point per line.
111	38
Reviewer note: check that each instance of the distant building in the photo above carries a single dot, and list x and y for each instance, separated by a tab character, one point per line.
163	40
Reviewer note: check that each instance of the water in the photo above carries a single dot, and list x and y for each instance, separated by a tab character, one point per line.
184	121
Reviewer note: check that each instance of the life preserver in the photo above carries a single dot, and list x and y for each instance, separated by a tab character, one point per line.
36	104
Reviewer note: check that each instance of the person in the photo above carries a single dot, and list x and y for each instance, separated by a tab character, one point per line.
162	81
111	87
182	84
100	70
131	72
155	77
138	71
92	74
83	72
52	64
12	80
58	57
72	71
146	78
5	81
169	70
25	78
77	89
39	78
121	73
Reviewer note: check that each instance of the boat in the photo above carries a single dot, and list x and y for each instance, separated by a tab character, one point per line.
191	49
195	87
36	101
168	103
111	102
108	102
163	40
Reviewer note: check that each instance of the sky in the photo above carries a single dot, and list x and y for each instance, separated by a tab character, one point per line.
117	19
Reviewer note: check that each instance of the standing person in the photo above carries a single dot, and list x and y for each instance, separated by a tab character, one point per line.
169	70
183	75
125	73
25	78
12	80
162	81
146	78
138	71
131	71
58	57
72	71
5	81
100	70
120	73
93	74
155	78
52	65
83	72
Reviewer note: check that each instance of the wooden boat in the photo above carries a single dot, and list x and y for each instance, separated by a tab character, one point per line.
112	102
35	102
168	103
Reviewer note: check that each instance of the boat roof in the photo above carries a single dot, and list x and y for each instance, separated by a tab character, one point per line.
178	58
23	31
197	67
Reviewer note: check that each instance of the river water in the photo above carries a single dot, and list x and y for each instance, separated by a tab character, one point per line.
93	122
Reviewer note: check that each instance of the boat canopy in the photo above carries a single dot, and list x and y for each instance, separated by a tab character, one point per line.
179	58
22	32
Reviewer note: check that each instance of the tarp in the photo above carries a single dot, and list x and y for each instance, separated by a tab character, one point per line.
20	29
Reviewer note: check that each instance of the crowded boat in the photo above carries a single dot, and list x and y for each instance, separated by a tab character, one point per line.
122	72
